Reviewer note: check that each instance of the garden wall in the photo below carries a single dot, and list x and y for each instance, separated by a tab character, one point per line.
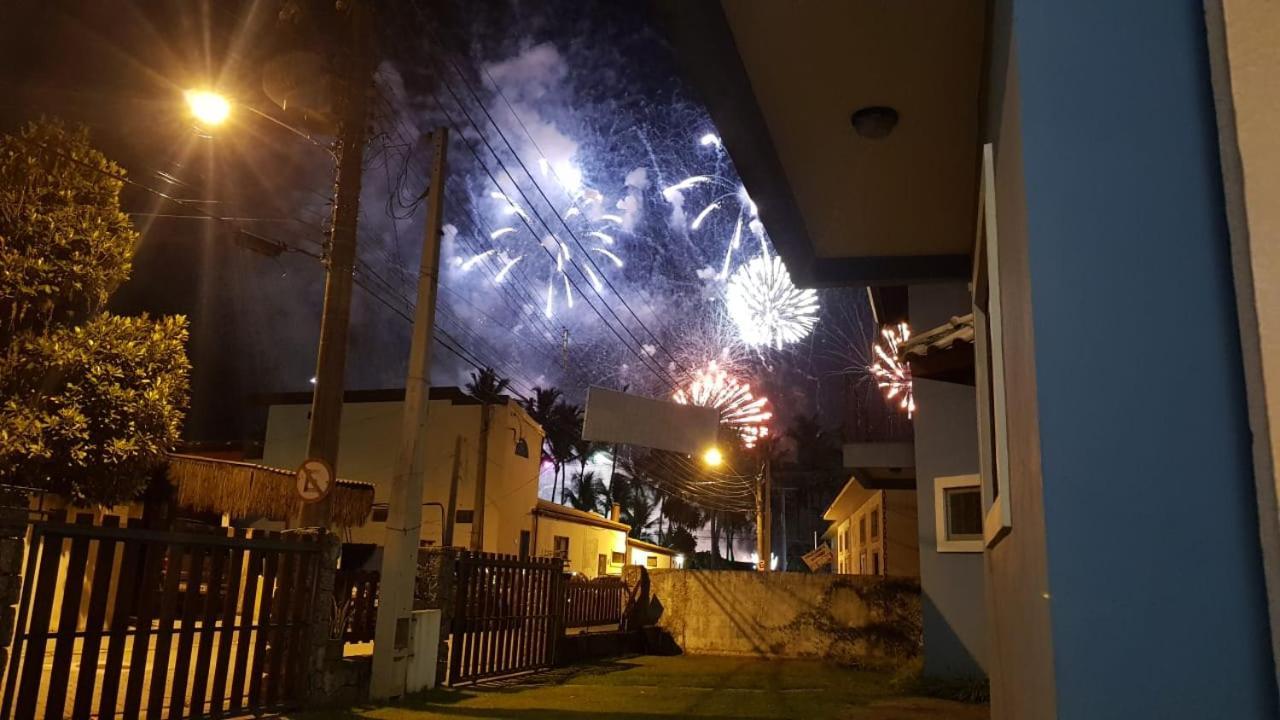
840	618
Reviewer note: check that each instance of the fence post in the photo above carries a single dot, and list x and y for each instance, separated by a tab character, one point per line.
319	685
435	591
13	528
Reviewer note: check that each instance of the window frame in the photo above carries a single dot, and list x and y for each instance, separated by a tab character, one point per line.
555	549
941	514
988	325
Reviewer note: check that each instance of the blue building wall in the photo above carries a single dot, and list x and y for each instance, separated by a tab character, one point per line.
946	443
1157	597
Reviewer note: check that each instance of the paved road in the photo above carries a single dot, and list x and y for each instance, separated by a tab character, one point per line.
648	688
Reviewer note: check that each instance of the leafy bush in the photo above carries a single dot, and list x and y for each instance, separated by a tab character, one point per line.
89	401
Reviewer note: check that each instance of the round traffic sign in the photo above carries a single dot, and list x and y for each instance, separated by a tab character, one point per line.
314	480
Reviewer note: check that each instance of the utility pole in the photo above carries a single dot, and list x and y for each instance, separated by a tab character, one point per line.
404	512
482	475
331	357
782	560
446	539
764	511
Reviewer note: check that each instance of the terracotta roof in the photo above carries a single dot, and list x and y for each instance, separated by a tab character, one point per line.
564	512
957	330
651	547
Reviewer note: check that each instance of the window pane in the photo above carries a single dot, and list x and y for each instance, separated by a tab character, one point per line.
875	525
964	513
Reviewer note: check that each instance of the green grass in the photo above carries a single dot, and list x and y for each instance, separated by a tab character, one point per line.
644	688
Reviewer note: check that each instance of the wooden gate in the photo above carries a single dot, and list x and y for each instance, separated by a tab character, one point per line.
508	615
595	602
128	622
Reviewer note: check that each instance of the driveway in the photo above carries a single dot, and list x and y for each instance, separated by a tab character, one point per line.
648	687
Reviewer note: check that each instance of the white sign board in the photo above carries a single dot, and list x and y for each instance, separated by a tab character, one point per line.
617	417
314	480
818	558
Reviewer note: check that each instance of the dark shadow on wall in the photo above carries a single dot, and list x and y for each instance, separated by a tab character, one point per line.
945	654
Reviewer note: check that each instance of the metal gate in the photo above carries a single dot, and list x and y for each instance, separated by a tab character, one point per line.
128	622
508	615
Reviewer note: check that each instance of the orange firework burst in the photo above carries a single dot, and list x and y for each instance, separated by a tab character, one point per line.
891	373
714	387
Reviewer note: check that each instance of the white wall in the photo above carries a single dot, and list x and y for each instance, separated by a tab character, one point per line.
370	437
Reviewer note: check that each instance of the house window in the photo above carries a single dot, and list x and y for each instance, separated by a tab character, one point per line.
651	561
464	517
875	525
862	530
875	563
379	514
524	544
993	447
862	563
560	547
957	507
619	558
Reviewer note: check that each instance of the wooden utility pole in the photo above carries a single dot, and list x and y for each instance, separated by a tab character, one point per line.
331	357
764	519
404	512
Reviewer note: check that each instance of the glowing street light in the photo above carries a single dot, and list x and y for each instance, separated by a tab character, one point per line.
713	457
208	107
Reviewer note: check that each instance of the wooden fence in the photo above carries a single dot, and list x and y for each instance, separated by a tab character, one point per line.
595	603
128	622
355	592
507	615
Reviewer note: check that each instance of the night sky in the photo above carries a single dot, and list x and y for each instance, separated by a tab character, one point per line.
591	87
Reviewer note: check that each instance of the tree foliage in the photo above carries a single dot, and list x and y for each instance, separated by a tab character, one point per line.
64	243
89	401
487	386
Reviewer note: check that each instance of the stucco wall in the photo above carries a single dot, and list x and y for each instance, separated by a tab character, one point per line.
946	443
586	544
1128	252
370	438
840	618
1245	57
1019	639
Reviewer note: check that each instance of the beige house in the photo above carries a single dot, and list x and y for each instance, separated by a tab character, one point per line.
654	557
590	544
370	437
873	531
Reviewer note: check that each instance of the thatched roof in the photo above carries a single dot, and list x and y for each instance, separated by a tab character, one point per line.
244	490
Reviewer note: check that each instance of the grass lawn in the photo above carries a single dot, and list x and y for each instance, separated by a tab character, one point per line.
677	687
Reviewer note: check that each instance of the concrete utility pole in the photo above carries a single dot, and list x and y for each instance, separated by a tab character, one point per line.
446	537
404	512
331	358
482	476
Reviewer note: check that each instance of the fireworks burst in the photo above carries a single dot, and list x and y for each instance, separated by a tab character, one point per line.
891	374
767	307
714	387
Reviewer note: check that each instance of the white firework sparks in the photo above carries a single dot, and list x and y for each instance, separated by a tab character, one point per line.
768	309
891	374
713	386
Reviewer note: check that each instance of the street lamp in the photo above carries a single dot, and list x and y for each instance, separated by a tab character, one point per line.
208	107
713	457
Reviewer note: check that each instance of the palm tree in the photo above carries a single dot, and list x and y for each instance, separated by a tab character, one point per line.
486	386
638	510
586	493
540	405
564	431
